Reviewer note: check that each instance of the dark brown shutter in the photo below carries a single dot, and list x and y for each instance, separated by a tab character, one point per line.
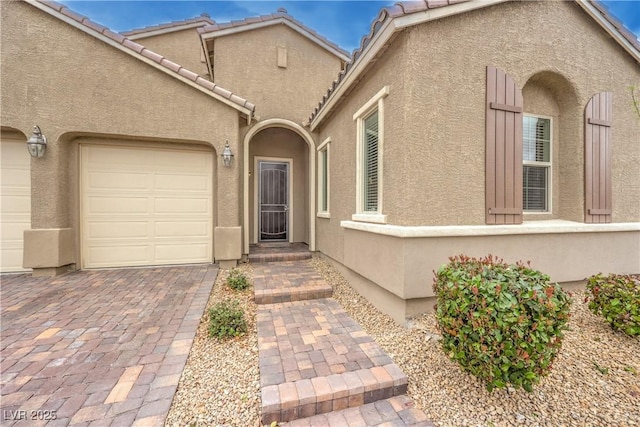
597	158
503	158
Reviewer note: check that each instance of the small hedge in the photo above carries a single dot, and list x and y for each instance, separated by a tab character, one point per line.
616	297
237	280
226	320
502	323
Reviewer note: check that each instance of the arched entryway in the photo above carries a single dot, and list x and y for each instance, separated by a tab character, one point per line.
281	148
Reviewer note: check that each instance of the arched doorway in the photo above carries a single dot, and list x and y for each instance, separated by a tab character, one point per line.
285	152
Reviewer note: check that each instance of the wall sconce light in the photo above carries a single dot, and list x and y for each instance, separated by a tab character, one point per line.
227	155
37	143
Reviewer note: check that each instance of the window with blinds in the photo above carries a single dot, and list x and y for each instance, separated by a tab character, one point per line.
324	180
370	163
536	153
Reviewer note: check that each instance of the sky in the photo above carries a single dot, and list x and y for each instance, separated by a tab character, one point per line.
342	22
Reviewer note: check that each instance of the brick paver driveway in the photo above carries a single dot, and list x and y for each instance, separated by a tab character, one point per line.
97	347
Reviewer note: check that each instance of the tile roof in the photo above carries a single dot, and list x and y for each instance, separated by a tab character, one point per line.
203	19
410	7
139	51
271	18
624	31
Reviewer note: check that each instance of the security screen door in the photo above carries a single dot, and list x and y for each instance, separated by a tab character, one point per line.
274	201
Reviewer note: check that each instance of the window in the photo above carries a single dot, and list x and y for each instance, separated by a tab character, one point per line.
370	163
323	179
536	156
370	138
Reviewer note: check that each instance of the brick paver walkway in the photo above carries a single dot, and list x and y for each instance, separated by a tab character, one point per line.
98	347
285	281
317	366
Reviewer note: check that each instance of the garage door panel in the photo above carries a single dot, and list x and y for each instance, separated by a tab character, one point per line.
118	229
176	205
119	256
120	180
152	211
181	161
19	205
118	205
116	159
181	253
15	202
188	183
12	231
182	229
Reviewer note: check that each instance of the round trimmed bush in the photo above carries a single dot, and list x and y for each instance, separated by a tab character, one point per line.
616	297
502	323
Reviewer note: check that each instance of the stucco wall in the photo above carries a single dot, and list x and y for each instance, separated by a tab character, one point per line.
341	128
553	47
80	86
246	63
396	274
182	47
434	148
283	143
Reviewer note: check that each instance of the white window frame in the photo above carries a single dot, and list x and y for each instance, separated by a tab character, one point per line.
373	104
548	165
325	147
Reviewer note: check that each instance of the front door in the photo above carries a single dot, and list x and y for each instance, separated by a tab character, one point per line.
273	201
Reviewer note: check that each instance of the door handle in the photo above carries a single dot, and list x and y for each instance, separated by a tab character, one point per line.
286	208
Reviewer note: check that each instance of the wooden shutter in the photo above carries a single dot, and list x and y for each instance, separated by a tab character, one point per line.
597	158
503	158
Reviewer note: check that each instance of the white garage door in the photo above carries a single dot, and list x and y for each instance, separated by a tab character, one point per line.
145	206
15	202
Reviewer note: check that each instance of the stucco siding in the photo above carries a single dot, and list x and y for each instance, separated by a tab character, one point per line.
80	87
246	63
182	47
341	128
561	57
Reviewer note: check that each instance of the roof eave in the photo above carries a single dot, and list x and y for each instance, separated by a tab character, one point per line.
588	7
278	21
161	31
390	27
246	109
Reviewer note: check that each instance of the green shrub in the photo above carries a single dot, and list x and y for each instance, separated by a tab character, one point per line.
616	297
237	280
226	319
502	323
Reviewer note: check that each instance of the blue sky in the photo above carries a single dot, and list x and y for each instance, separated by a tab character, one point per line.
342	22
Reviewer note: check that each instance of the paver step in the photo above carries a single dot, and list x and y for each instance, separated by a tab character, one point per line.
320	395
288	281
396	411
279	257
279	252
315	359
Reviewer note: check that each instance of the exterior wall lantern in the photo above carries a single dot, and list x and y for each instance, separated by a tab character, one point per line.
37	143
227	155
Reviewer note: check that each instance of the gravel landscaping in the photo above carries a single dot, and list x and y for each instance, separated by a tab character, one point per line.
220	385
595	380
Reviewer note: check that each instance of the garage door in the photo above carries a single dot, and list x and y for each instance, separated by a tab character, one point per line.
15	202
145	206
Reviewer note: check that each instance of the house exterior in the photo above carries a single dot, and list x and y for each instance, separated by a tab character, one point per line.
472	127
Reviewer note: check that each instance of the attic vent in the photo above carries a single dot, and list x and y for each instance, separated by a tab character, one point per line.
282	57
